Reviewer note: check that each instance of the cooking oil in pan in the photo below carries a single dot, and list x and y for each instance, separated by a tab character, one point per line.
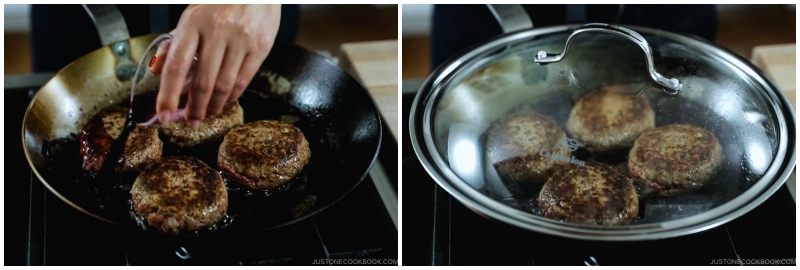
107	193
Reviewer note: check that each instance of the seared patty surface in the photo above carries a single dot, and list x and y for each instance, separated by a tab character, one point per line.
675	158
264	154
596	194
180	194
515	144
610	118
141	149
211	129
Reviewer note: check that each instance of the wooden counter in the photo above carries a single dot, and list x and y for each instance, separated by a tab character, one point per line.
779	62
374	64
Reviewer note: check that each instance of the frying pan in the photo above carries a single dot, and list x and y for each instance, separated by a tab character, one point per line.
337	116
550	69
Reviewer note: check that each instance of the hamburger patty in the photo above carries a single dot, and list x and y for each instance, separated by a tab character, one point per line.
211	129
264	154
519	146
674	158
141	149
180	194
610	118
596	194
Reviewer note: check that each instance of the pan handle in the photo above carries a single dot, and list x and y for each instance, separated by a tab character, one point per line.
109	23
512	18
673	86
114	32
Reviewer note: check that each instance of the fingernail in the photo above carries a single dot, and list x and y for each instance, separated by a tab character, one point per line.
194	124
152	61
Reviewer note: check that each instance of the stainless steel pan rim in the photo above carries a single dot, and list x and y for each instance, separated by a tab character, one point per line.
433	89
26	138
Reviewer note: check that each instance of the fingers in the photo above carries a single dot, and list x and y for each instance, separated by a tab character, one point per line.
230	41
252	62
226	80
205	77
178	62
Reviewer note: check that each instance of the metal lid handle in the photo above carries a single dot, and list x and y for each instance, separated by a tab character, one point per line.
672	84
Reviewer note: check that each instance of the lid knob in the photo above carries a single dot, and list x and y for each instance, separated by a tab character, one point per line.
541	55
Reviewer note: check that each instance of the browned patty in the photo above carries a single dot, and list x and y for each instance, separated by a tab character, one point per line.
141	149
211	129
674	158
515	144
596	194
180	194
264	154
610	118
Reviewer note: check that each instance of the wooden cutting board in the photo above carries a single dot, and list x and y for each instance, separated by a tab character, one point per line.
779	62
374	65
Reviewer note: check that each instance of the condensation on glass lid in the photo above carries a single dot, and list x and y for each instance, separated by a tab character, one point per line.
466	152
587	89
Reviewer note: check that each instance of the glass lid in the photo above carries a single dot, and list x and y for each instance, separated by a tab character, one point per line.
620	128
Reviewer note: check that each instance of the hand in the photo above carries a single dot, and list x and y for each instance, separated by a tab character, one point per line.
230	41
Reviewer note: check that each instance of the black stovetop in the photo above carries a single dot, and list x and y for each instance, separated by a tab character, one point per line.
444	232
43	230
